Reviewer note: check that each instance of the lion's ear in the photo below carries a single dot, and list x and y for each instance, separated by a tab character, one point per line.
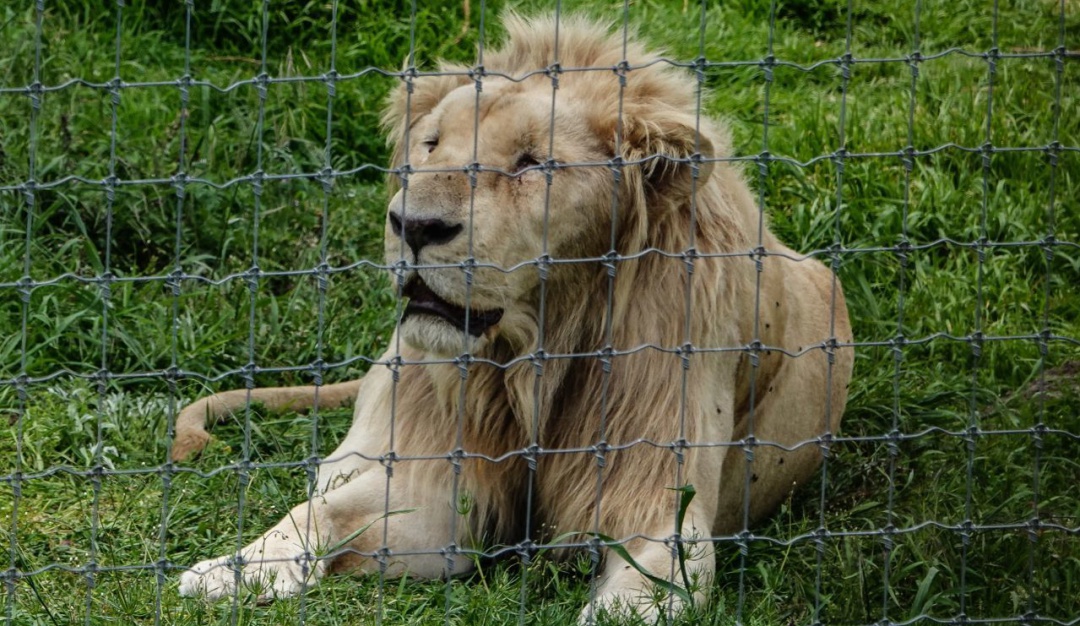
670	146
403	110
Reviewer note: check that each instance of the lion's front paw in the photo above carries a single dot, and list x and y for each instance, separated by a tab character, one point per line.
267	571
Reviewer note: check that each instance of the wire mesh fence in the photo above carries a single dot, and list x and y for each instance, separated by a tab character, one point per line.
192	201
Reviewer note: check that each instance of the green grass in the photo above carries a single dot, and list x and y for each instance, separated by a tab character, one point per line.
67	422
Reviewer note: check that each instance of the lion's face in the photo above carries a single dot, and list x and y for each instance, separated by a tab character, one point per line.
477	233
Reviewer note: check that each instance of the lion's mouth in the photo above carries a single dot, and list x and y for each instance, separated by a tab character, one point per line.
422	300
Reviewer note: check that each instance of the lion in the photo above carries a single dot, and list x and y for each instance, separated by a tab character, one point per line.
597	316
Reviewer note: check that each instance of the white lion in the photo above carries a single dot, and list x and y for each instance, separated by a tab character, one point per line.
690	358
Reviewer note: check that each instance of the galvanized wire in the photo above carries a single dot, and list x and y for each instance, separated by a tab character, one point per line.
106	303
24	289
978	340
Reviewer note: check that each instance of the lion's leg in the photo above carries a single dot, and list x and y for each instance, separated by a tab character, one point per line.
804	402
648	511
356	513
790	415
623	590
310	540
191	435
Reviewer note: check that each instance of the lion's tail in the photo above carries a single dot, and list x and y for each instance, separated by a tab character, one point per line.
191	435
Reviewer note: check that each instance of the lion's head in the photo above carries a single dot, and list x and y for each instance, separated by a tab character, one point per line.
510	176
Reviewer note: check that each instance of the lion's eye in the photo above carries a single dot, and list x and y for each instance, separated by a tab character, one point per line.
524	161
430	144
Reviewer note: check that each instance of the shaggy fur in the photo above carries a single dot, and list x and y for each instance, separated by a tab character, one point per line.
638	390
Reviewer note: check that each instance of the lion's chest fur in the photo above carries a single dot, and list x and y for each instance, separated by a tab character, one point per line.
585	442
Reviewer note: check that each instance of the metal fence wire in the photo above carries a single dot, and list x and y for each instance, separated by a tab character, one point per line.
949	496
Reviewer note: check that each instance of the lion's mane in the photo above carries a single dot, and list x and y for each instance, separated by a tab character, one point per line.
623	384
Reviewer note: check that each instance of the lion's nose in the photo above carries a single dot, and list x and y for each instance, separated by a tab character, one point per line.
419	232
